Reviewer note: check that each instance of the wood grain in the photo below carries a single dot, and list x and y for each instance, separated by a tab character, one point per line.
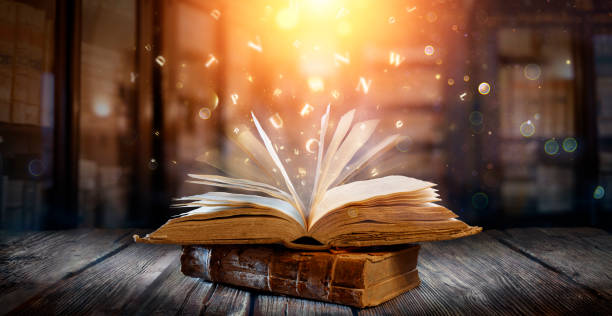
107	287
583	254
31	262
479	275
281	305
226	300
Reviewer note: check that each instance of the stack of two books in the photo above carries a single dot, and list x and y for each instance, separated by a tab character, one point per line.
348	242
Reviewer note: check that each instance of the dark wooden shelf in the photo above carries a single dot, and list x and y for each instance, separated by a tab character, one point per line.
515	271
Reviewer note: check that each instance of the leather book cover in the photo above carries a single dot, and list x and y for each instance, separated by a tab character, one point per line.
360	277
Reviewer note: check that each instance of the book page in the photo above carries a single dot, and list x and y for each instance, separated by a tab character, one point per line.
241	184
358	136
323	132
364	190
226	200
268	143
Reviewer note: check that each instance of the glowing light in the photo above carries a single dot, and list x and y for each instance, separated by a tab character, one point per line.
451	81
345	59
391	20
101	107
296	151
466	78
204	113
250	78
364	85
301	172
335	94
211	60
316	84
309	145
532	71
480	200
216	14
527	128
287	18
160	60
438	76
476	118
570	144
306	109
399	124
133	77
395	59
148	47
551	147
410	10
234	98
344	28
429	50
342	12
236	130
599	192
484	88
277	92
153	164
255	45
568	62
462	96
276	120
373	172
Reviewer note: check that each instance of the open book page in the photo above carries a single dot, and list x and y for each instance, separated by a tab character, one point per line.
268	143
226	200
323	132
259	154
364	190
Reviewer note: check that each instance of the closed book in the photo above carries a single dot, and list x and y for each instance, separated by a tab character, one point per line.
360	278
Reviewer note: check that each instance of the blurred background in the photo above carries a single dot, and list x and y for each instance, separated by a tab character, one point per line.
106	105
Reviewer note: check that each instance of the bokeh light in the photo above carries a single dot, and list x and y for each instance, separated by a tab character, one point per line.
484	88
532	71
599	192
570	144
480	200
527	128
551	147
429	50
476	118
204	113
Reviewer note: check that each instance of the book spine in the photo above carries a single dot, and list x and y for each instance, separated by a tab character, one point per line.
301	274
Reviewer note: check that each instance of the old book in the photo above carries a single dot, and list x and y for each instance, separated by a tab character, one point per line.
363	278
382	211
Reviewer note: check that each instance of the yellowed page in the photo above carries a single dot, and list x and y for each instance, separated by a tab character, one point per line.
323	132
364	190
241	184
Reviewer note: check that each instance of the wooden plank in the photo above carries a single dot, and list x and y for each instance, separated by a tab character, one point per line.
107	287
480	275
175	294
281	305
225	300
31	262
582	254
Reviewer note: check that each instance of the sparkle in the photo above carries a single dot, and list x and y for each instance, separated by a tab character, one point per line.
335	94
234	97
570	144
345	59
364	85
551	147
211	60
484	88
316	84
306	109
395	59
301	172
255	45
399	124
160	60
216	14
204	113
410	10
133	77
236	130
568	62
276	120
342	12
250	78
297	44
374	172
277	92
391	20
309	145
451	81
466	78
438	76
429	50
462	96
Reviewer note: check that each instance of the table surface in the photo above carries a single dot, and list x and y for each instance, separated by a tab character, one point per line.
515	271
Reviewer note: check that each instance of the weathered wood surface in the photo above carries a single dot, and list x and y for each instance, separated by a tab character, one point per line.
516	271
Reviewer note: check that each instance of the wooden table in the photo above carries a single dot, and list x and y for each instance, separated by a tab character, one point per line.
516	271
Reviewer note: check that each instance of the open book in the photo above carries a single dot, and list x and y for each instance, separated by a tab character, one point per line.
381	211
